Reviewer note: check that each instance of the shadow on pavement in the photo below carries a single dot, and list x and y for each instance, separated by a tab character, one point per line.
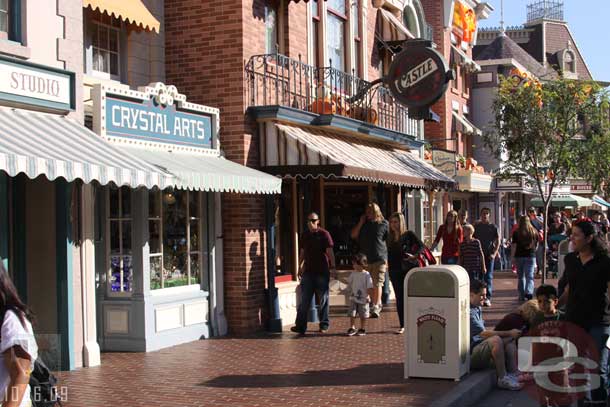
373	374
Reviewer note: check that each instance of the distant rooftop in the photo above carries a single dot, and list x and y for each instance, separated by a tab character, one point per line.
545	9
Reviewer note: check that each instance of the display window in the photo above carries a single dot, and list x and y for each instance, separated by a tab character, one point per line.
174	227
119	232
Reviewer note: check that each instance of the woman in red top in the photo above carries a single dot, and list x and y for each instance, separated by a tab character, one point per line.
452	235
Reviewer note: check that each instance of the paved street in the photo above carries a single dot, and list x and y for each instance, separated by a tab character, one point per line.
283	370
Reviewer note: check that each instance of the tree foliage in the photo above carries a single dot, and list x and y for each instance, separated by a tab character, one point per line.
549	132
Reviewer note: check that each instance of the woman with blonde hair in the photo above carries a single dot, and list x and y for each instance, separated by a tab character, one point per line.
404	248
452	235
523	253
371	232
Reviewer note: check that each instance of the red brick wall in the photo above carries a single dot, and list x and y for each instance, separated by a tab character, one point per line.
204	58
443	130
296	30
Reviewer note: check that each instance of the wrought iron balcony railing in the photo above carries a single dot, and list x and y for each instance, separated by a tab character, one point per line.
274	79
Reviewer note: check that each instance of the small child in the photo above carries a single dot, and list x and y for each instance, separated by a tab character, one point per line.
471	255
547	298
360	288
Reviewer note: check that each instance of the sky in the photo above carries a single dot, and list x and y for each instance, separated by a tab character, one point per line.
587	19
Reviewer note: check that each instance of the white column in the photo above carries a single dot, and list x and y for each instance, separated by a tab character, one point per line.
91	349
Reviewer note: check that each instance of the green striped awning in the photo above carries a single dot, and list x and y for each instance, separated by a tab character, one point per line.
209	172
563	200
37	144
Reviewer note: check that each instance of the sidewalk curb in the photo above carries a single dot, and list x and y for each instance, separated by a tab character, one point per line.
469	391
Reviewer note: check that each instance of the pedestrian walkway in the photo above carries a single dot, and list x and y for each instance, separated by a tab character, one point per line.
271	370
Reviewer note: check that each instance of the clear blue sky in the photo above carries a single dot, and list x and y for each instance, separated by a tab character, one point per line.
588	21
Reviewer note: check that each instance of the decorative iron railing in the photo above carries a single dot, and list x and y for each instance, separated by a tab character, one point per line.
274	79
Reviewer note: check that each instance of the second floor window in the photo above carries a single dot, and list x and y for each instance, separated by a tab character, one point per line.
356	33
335	33
271	29
4	13
103	53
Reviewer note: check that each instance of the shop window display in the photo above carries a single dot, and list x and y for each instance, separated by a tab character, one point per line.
174	224
119	226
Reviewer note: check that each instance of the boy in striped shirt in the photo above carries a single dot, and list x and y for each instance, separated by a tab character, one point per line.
471	255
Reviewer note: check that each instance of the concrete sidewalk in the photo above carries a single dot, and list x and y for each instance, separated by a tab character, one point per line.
281	370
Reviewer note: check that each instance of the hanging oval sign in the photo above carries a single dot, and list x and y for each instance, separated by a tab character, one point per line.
418	76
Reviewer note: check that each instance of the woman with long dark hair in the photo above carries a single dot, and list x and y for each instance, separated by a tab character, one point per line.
18	349
404	248
523	251
587	272
452	234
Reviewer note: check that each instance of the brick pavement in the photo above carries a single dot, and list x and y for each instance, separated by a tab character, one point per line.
270	370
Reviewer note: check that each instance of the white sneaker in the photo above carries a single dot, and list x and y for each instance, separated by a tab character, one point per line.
509	383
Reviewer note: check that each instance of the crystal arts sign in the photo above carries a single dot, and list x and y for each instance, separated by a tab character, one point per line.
157	115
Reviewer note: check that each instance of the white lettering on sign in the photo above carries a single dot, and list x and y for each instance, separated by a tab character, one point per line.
32	83
415	75
155	122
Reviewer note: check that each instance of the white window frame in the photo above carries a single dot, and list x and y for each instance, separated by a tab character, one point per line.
199	252
93	29
109	254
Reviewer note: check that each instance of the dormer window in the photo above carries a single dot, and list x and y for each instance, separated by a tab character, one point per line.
569	62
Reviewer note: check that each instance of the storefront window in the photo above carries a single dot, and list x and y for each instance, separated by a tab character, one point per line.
430	221
174	224
344	206
119	225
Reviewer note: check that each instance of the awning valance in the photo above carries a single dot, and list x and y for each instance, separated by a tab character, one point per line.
205	172
391	29
55	146
601	201
308	152
130	11
465	60
564	200
466	124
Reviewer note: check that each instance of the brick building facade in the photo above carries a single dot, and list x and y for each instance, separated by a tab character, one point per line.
211	49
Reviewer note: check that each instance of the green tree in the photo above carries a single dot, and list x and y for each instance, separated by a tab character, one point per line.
545	131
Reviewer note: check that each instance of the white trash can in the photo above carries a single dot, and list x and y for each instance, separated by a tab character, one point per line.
437	322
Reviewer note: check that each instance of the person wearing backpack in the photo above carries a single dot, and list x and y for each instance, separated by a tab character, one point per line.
18	349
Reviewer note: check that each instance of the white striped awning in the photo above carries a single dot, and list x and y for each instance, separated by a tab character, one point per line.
391	28
467	126
205	172
308	152
55	146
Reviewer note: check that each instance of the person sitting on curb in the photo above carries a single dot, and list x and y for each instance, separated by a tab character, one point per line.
490	348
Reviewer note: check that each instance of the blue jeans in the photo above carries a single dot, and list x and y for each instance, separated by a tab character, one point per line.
449	260
313	283
525	276
489	276
600	334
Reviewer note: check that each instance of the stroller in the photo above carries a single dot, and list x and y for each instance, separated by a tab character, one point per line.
552	254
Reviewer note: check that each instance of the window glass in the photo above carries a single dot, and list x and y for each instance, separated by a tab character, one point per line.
120	245
337	6
410	21
315	10
356	18
4	15
271	30
335	42
174	227
105	43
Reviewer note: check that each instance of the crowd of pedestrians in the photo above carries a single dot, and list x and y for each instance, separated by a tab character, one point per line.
387	249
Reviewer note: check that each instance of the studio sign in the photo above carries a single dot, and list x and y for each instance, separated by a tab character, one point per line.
419	75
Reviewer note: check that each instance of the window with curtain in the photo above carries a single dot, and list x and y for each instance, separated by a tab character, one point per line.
119	237
356	34
271	29
174	227
4	14
315	15
105	41
336	21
